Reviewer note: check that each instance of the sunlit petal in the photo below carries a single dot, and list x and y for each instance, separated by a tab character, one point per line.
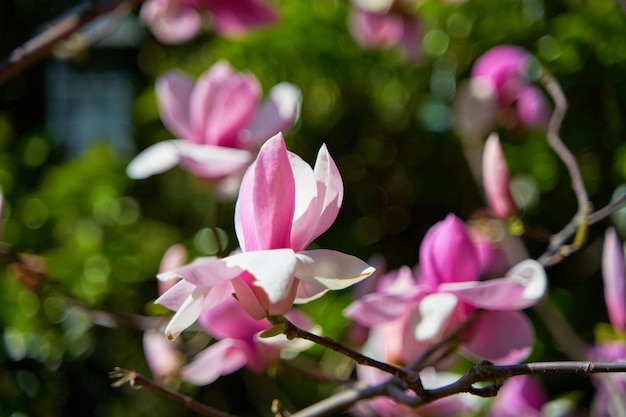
331	269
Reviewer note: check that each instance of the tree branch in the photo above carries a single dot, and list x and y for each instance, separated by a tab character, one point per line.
136	380
39	46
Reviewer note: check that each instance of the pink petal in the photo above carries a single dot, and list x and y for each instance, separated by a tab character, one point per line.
520	396
176	295
496	179
174	256
307	203
265	207
209	271
232	110
234	17
171	24
331	269
411	39
374	309
502	337
506	67
174	91
447	254
161	355
524	285
276	114
156	159
475	108
229	320
273	270
330	190
203	98
532	107
221	358
307	292
614	274
372	30
252	299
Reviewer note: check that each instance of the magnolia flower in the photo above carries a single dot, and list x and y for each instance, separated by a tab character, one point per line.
500	92
521	396
448	291
177	21
375	26
283	205
496	179
240	343
219	121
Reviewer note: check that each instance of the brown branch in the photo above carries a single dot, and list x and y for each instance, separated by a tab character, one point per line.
411	378
137	380
39	46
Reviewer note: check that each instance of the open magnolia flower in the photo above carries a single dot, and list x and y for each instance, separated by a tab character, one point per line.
218	120
177	21
283	205
449	290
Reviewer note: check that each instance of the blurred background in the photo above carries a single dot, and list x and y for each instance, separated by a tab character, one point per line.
70	124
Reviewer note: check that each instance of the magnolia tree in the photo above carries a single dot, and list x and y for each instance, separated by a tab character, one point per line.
467	316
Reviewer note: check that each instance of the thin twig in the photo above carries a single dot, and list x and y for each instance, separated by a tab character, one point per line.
411	378
137	380
39	46
556	143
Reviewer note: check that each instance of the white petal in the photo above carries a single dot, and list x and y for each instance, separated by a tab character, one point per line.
434	312
331	269
273	270
186	315
156	159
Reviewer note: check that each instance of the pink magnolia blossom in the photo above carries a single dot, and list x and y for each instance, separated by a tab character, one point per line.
496	179
177	21
500	92
283	205
375	29
219	121
448	291
240	343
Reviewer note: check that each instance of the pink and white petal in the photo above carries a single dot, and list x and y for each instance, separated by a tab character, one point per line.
502	337
235	17
249	299
213	162
275	114
273	270
161	355
229	320
217	295
221	358
176	295
330	189
331	269
156	159
174	256
614	276
266	202
377	308
307	203
177	28
434	312
308	292
174	90
202	98
232	110
186	315
209	271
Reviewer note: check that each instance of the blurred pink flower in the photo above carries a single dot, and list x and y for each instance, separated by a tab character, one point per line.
448	291
240	343
283	206
177	21
500	92
614	274
219	121
496	179
376	29
521	396
162	357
